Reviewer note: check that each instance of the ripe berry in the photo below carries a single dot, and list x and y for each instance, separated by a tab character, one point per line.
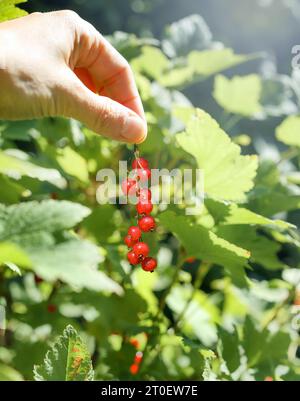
51	308
135	233
38	279
149	264
129	186
138	357
144	194
134	342
143	174
147	223
129	241
144	207
140	163
132	258
268	379
191	259
134	369
141	249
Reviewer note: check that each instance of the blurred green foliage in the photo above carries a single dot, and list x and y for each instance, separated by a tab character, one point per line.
74	307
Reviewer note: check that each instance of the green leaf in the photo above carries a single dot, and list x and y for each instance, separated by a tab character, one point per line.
16	164
73	164
232	214
189	33
253	342
239	95
10	191
277	96
33	227
201	315
11	253
204	244
227	174
9	374
100	222
263	250
210	62
288	131
67	360
144	63
8	10
73	262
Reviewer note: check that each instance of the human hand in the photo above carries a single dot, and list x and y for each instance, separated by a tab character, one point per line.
58	64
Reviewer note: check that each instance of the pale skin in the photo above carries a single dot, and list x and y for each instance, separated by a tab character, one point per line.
57	64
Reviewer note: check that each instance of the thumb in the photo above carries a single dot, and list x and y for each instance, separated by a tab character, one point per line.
101	114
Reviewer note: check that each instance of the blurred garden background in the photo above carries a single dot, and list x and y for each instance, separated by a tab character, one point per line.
220	94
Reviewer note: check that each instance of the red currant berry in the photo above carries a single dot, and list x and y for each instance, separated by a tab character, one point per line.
132	258
129	241
134	232
144	174
134	369
51	308
149	264
147	223
144	194
129	186
140	163
138	357
141	249
144	208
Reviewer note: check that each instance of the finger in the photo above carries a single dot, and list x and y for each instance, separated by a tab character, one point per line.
101	114
109	71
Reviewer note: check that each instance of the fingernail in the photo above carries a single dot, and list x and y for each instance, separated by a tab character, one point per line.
134	130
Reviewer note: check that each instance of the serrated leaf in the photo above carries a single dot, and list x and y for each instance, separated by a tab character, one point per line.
189	33
17	165
7	373
208	62
144	63
288	131
67	360
204	244
227	174
239	95
73	262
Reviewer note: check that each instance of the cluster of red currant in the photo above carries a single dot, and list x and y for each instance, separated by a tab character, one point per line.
139	250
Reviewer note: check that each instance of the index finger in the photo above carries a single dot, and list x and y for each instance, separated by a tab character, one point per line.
110	72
